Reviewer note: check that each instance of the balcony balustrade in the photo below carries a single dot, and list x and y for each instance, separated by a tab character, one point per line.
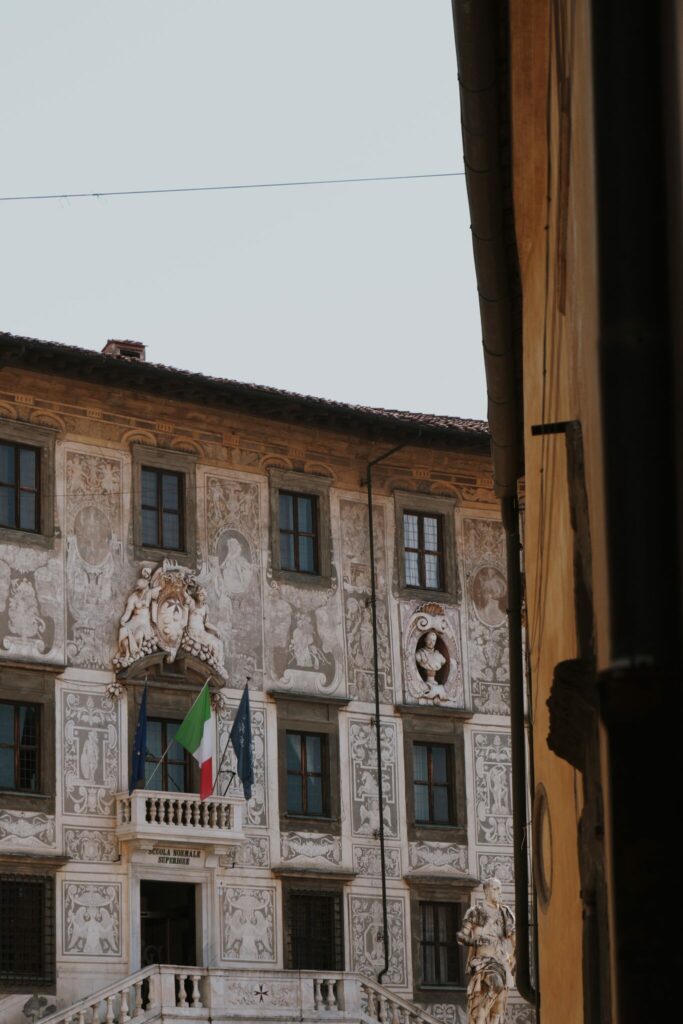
159	817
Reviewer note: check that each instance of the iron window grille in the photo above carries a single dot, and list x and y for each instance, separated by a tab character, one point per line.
173	775
314	931
307	774
423	550
27	932
20	487
432	788
162	509
298	523
19	746
440	957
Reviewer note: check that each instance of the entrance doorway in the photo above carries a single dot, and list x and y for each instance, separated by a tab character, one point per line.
167	924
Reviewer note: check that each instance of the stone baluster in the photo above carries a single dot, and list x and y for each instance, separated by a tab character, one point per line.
151	815
137	1007
196	1000
181	997
370	996
80	1017
212	815
317	1000
195	812
330	995
382	1009
124	1006
109	1015
94	1013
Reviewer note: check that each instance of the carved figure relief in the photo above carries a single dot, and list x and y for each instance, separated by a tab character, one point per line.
307	846
248	924
92	919
90	753
357	607
367	946
492	767
487	639
27	830
96	845
432	665
364	789
256	810
233	528
30	603
95	570
448	858
167	611
366	861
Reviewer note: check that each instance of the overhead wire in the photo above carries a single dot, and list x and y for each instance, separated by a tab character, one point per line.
230	188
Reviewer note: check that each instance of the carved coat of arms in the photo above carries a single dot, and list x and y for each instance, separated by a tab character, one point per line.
167	611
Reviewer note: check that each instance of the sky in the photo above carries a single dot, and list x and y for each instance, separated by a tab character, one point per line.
360	292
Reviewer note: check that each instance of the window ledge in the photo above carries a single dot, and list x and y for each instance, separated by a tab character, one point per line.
301	871
152	554
303	579
424	594
435	710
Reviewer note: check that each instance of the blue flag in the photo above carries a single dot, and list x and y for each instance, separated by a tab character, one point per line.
139	756
240	737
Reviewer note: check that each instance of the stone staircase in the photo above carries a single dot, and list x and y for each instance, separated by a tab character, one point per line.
176	995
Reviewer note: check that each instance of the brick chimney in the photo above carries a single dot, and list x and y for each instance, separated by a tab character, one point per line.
134	350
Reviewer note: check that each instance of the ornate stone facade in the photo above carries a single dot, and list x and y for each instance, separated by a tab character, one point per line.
84	620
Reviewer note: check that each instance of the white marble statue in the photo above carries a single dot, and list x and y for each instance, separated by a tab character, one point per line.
136	624
489	932
202	636
431	661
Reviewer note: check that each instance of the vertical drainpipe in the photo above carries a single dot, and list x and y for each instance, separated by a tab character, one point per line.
378	735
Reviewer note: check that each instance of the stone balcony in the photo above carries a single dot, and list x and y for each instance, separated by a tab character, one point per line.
153	818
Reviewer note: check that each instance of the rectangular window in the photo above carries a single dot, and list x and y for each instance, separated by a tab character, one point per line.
19	743
173	774
307	774
27	945
314	931
19	487
298	524
423	550
432	784
439	951
162	509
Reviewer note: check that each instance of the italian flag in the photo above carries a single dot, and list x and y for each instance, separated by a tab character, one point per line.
197	733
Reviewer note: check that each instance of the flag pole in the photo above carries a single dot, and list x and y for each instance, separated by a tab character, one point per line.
161	759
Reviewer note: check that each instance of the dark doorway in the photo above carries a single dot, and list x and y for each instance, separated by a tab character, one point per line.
167	924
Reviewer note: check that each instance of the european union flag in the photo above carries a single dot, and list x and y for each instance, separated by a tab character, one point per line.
240	737
139	756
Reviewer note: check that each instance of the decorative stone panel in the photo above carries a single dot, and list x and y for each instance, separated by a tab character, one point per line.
364	789
487	637
437	858
248	924
90	753
91	919
492	786
91	845
310	847
26	830
366	861
367	947
256	810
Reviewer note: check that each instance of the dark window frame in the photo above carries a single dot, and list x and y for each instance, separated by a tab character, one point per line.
161	541
431	785
303	775
447	941
286	481
296	533
19	488
162	773
17	747
42	932
312	900
42	439
421	551
165	461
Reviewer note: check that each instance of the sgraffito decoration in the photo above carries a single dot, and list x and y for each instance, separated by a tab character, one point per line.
492	786
92	919
90	753
248	917
487	636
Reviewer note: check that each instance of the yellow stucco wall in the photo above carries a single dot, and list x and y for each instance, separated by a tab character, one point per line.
553	180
